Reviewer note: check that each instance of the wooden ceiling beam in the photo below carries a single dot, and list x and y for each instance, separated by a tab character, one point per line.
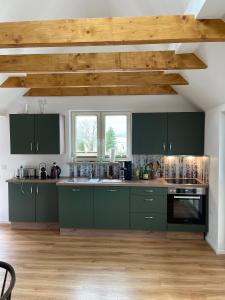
101	91
111	31
94	79
73	62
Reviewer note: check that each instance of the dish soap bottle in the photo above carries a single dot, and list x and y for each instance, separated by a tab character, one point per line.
145	174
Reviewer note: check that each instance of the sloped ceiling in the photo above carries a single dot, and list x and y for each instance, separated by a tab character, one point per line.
206	88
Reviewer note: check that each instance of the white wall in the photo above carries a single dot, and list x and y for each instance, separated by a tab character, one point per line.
9	163
215	147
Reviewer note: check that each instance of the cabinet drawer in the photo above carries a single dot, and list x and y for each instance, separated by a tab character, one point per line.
148	221
148	203
148	191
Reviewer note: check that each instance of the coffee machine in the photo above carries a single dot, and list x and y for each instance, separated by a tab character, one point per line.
127	170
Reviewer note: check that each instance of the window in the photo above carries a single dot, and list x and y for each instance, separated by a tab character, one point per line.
96	135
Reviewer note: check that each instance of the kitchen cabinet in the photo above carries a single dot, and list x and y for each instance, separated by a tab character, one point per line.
36	133
21	202
111	207
186	133
148	208
168	133
76	207
30	202
22	134
46	203
149	133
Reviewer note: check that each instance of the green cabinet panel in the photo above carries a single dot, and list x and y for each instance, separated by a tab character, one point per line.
187	227
111	207
36	134
21	203
75	207
148	203
168	133
148	221
148	191
186	133
149	133
47	133
22	137
46	203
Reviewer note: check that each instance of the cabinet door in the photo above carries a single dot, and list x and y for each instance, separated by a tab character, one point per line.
21	202
111	207
47	134
22	134
46	203
186	133
75	207
149	133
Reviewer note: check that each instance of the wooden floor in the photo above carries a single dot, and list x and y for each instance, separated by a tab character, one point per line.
117	266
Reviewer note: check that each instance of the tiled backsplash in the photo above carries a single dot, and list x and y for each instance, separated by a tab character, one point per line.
164	166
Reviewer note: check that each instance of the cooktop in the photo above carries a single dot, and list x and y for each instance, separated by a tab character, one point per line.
182	181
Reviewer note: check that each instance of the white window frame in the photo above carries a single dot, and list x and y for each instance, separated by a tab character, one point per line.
100	134
73	131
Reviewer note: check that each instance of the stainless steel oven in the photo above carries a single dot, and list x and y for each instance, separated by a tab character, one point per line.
186	206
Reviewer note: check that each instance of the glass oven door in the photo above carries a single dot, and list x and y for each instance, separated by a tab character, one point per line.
186	209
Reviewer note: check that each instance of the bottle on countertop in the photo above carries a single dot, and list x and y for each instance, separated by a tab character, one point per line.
141	173
145	173
21	172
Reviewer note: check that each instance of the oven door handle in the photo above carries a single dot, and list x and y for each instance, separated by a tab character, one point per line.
187	197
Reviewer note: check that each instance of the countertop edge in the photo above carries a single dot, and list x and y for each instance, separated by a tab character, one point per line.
141	183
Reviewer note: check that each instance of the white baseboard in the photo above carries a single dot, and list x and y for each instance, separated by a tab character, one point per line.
4	222
217	251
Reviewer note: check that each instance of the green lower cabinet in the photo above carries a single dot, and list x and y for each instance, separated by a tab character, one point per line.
111	207
46	203
21	202
75	207
148	221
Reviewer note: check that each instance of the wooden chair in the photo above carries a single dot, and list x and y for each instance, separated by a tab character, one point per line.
6	294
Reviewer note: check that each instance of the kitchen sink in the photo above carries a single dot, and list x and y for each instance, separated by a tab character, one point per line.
82	180
111	180
91	180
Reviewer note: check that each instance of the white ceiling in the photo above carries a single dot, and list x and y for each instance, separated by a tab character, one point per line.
206	88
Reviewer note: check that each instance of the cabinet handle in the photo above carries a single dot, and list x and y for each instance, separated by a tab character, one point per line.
37	147
149	191
149	200
37	190
149	217
31	147
111	190
164	147
21	188
75	190
31	189
170	147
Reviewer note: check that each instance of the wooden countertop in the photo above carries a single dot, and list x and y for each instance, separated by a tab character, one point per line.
159	182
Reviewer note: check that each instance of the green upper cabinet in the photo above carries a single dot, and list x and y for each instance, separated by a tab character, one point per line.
149	133
168	133
186	133
47	133
46	203
21	202
37	134
22	134
111	207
